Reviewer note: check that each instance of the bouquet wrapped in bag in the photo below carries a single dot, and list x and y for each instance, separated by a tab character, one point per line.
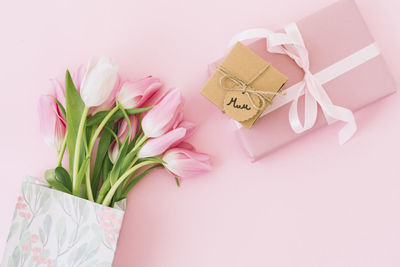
113	138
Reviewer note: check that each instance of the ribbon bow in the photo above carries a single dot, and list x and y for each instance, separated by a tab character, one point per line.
291	43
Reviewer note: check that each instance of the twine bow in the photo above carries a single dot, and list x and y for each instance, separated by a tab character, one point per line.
245	87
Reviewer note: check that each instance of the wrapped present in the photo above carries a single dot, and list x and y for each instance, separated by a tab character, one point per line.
334	68
243	85
52	228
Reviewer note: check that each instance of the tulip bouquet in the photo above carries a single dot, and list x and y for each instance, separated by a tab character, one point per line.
112	135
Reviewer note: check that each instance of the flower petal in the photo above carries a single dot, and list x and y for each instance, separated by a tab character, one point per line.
163	116
186	163
135	94
159	145
98	81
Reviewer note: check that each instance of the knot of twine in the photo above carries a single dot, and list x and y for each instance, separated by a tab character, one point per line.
245	87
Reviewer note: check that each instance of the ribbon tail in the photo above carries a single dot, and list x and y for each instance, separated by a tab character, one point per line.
334	112
347	116
347	132
310	111
310	114
328	118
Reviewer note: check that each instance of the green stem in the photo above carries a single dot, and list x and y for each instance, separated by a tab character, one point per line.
133	162
137	146
78	146
90	148
126	118
89	185
140	143
126	175
103	191
62	151
130	166
113	134
100	128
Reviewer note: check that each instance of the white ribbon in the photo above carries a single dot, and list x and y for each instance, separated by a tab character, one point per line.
291	43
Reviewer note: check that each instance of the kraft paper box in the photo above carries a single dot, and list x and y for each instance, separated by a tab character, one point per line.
331	35
51	228
243	85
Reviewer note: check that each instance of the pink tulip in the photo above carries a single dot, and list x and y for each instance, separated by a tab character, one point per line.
122	132
189	126
77	77
135	94
179	119
58	91
186	163
124	128
52	126
163	116
185	145
157	146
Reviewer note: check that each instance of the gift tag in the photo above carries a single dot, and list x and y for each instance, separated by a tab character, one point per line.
239	107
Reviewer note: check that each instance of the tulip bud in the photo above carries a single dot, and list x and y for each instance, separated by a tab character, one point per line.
161	118
77	77
135	94
58	91
52	127
157	146
110	102
98	81
186	163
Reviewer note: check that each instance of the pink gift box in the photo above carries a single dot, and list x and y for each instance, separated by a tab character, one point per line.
331	35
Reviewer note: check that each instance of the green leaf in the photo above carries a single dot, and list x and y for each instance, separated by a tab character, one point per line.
104	190
81	174
139	131
116	170
75	107
99	116
63	176
61	108
114	135
107	167
102	150
89	133
177	182
51	178
127	161
106	185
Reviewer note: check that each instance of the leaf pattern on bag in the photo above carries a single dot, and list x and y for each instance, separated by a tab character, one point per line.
51	228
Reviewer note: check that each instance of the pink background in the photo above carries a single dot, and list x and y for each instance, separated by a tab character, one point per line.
311	203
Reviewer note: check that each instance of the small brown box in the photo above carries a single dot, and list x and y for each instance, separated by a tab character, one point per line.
243	85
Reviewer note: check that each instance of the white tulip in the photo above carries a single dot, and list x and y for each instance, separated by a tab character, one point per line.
98	81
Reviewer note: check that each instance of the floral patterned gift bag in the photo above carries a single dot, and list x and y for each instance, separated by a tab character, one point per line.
52	228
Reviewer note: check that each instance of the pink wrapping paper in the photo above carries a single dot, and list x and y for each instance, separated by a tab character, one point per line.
330	35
